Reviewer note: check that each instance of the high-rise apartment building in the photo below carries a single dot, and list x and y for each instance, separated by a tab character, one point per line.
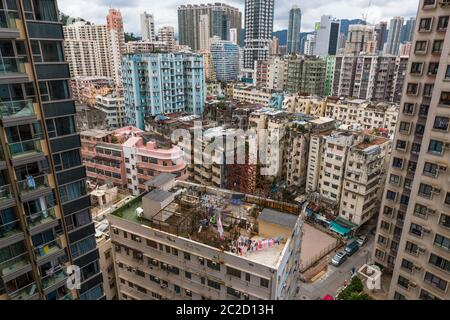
407	30
305	75
381	35
295	22
45	221
114	21
221	18
225	59
159	83
413	234
259	15
84	42
171	241
358	39
148	27
327	36
393	40
166	35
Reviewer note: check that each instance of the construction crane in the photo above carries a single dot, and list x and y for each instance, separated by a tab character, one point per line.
365	15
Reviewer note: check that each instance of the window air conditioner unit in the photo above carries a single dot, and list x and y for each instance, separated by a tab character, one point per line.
436	190
431	211
417	268
412	284
426	230
422	250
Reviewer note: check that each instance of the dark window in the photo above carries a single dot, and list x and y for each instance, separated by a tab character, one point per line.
234	272
435	281
264	283
441	123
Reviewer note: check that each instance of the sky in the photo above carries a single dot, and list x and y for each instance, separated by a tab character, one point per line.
165	11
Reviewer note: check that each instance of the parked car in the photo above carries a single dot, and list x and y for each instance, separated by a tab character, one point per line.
352	247
339	258
361	240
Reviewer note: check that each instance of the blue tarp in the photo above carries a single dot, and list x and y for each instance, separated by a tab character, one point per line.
336	227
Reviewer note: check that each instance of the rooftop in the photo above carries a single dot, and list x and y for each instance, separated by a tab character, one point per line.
218	218
95	133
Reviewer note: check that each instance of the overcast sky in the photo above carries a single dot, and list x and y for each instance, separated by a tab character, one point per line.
165	11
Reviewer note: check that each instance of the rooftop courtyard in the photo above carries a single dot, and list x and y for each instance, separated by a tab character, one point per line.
248	226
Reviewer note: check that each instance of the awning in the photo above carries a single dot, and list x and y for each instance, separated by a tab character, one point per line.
336	227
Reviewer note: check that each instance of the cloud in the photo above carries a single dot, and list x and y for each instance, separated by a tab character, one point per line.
165	11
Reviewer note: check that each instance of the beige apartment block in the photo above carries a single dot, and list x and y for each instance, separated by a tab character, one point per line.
165	245
413	236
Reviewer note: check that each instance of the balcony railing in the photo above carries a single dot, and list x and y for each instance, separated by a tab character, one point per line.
48	248
40	218
9	229
68	296
33	183
14	264
54	277
7	20
16	108
25	293
5	192
11	65
24	148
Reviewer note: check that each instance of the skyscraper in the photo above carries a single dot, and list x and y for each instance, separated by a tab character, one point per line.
407	30
413	235
166	35
359	37
148	27
295	22
45	220
225	59
381	35
114	21
221	18
160	83
327	35
393	41
259	16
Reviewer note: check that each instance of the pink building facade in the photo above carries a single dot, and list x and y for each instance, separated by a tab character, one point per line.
128	159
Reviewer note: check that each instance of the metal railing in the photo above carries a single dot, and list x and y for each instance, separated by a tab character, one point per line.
33	183
7	20
48	248
5	192
25	147
9	229
54	277
16	108
41	217
24	293
13	264
11	65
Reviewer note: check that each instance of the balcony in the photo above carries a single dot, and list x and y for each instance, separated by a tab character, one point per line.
14	110
8	26
12	70
25	148
48	249
6	196
15	265
33	187
28	292
41	218
68	296
54	278
9	229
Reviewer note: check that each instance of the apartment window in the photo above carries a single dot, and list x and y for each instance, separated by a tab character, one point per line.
437	46
404	127
412	248
428	90
430	169
403	282
442	242
420	129
415	148
433	68
423	110
408	108
421	47
416	229
394	179
188	275
404	199
444	221
425	24
436	147
425	295
152	244
388	211
264	283
439	262
425	190
435	281
420	210
391	195
397	163
213	284
401	145
429	3
382	240
408	183
399	296
234	272
379	254
385	225
175	252
187	256
213	265
412	89
72	191
442	23
445	99
447	198
416	68
441	123
407	265
247	277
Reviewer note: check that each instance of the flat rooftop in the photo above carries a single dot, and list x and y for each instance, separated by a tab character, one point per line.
219	218
95	133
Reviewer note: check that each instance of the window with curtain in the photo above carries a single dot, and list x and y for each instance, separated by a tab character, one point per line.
83	246
72	191
12	251
45	10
